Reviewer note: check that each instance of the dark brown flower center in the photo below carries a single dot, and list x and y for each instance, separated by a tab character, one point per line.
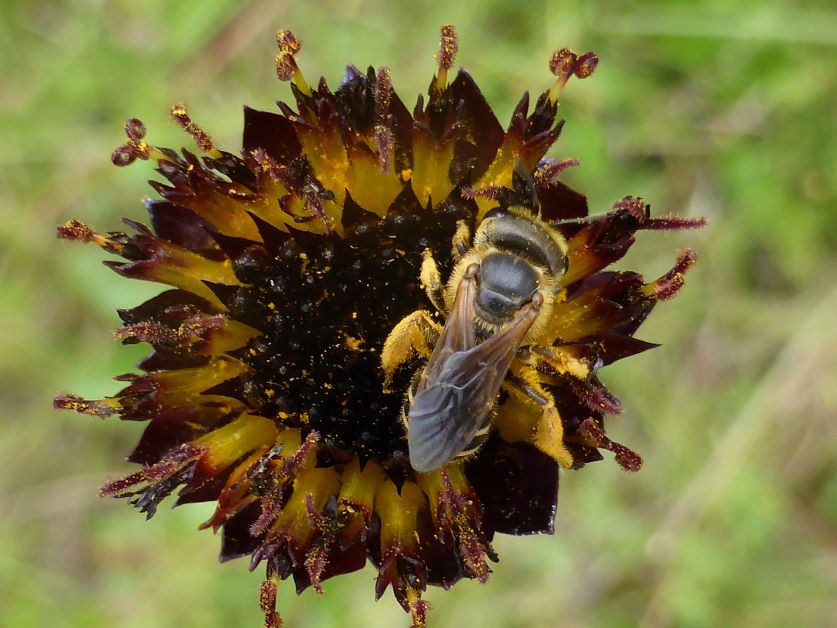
330	303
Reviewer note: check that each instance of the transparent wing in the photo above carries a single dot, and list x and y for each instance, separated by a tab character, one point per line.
460	383
458	332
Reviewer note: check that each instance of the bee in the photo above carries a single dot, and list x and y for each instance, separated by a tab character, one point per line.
497	302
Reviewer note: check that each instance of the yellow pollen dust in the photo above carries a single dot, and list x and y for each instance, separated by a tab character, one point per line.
354	344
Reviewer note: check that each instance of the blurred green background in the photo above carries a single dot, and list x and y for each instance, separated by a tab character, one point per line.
713	108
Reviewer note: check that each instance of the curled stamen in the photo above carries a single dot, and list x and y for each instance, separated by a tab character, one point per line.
550	169
492	192
136	147
201	137
418	608
312	199
285	470
595	396
561	64
73	230
565	63
594	436
77	231
101	408
286	65
328	525
384	138
673	223
448	47
669	284
184	335
175	461
384	141
383	95
455	506
267	601
268	165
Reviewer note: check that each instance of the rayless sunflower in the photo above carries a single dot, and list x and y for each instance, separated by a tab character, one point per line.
290	266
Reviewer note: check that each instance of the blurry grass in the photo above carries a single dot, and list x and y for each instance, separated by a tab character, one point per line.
704	108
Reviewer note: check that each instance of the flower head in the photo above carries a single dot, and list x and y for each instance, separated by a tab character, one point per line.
292	264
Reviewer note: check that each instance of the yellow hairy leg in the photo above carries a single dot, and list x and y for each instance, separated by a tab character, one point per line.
414	334
431	281
561	361
548	435
461	241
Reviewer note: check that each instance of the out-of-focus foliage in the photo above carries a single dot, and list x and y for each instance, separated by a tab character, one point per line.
708	108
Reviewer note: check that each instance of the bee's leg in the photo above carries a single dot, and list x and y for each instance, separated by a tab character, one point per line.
431	280
525	386
414	334
560	361
461	241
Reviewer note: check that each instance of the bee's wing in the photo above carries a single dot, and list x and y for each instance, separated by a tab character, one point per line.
458	389
458	332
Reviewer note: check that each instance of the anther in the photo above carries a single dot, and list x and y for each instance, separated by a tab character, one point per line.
135	148
550	169
383	94
491	192
287	41
267	601
635	206
201	137
564	63
312	200
448	47
101	408
594	436
561	64
122	156
384	139
669	284
286	66
76	231
673	223
586	65
135	129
